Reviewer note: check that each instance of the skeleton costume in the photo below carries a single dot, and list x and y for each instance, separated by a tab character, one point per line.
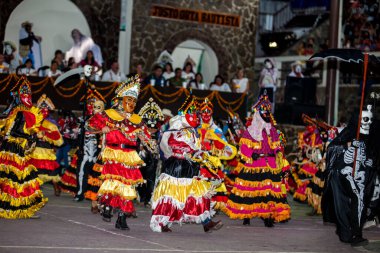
123	132
258	190
153	118
87	156
20	193
348	190
94	181
43	156
181	195
214	142
70	130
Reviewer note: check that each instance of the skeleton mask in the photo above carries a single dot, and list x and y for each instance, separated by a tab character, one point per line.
8	49
87	70
366	120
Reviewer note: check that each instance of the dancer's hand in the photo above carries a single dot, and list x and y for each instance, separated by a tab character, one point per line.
106	130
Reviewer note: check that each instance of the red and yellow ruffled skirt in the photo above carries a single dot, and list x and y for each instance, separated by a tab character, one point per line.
259	192
20	193
180	200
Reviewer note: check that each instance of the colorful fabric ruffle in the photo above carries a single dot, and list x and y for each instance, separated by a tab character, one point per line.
180	200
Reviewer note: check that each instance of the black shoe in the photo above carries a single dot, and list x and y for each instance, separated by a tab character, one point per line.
269	223
211	225
121	222
166	229
246	222
107	213
359	241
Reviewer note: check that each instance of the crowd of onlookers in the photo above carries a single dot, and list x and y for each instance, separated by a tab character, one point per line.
362	25
161	76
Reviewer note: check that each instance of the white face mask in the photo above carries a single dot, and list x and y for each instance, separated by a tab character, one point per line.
268	65
8	50
366	121
298	69
87	70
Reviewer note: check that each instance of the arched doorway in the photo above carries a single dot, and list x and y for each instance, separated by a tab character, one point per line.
203	56
53	20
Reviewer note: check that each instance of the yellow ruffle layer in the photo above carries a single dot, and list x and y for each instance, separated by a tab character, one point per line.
241	167
46	178
314	200
180	189
21	174
34	183
299	196
4	155
22	214
52	128
117	188
43	154
22	200
130	158
221	188
257	145
278	217
121	179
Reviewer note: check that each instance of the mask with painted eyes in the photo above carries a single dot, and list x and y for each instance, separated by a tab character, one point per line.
87	70
192	119
8	50
26	99
129	104
98	107
366	121
206	115
265	115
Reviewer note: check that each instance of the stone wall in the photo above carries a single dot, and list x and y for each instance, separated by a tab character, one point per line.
233	46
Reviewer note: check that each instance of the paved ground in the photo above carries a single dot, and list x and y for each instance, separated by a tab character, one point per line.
67	227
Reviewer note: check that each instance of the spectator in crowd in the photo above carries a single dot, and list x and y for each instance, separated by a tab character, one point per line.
168	73
138	71
30	47
83	44
197	82
4	67
114	74
58	57
177	81
240	84
156	78
219	84
90	60
27	69
53	71
187	72
297	68
11	57
71	64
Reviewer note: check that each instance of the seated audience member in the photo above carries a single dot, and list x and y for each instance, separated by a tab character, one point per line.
177	81
138	71
156	78
240	84
168	73
59	58
28	69
114	74
219	84
53	71
11	56
71	64
297	69
197	83
4	67
188	72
